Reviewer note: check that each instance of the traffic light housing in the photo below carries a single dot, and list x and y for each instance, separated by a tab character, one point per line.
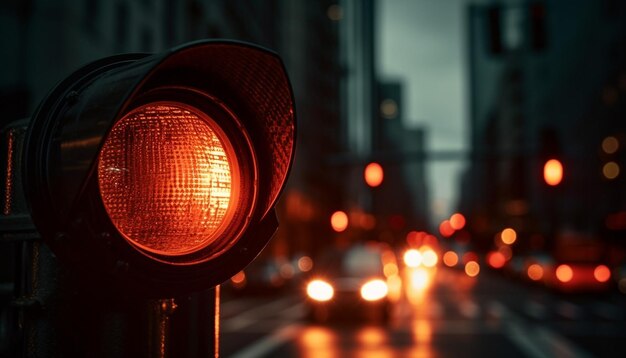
157	175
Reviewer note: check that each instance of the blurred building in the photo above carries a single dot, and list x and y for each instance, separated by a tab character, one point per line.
400	202
547	80
310	47
46	40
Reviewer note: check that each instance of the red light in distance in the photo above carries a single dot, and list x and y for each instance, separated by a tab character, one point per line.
457	221
445	229
553	172
373	174
496	259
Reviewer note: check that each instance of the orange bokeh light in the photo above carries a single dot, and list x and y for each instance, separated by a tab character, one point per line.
508	236
450	258
339	221
564	273
305	264
446	229
602	273
239	277
457	221
553	172
472	269
496	259
429	257
373	174
535	272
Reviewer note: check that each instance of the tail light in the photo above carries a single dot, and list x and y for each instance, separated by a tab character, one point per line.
602	273
161	172
564	273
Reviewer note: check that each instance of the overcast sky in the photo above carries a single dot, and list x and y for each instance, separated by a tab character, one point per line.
420	43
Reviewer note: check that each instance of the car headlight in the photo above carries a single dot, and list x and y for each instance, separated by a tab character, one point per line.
320	290
374	290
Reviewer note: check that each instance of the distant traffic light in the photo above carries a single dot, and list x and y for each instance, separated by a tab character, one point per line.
457	221
159	174
373	174
553	172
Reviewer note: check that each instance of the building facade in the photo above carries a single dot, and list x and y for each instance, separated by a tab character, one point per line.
546	82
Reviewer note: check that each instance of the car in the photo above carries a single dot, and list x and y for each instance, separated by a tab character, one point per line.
359	280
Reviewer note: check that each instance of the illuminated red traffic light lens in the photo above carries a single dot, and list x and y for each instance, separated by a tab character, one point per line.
166	173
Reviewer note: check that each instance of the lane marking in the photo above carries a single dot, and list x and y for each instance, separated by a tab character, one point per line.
535	310
270	342
534	340
524	341
608	311
294	312
569	310
496	310
249	317
559	345
233	307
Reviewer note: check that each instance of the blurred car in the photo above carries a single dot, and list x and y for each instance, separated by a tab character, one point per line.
579	276
357	280
580	264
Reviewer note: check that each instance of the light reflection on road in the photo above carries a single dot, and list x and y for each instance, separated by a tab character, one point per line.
318	341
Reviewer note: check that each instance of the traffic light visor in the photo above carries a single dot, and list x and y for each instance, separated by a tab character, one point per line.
161	172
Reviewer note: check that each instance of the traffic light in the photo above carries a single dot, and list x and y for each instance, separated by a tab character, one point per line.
157	174
553	172
373	174
549	151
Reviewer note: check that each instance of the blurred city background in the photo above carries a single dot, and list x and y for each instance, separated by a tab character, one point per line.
493	133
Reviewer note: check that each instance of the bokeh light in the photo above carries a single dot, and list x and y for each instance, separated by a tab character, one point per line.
412	258
553	172
429	258
564	273
496	259
457	221
535	272
446	229
610	170
472	269
305	264
450	258
610	145
508	236
602	273
373	174
339	221
239	280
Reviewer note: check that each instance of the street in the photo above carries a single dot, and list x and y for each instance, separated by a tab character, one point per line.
451	316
